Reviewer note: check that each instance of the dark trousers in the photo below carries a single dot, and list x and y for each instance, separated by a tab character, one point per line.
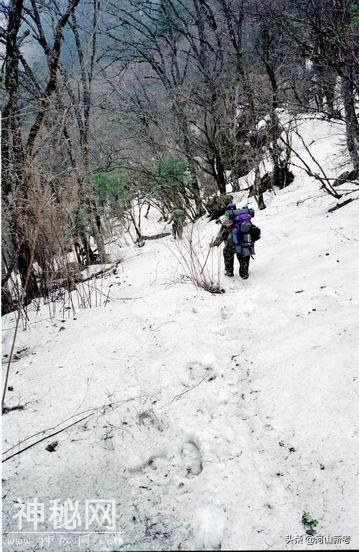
228	255
243	265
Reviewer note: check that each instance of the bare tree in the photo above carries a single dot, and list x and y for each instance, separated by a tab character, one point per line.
19	150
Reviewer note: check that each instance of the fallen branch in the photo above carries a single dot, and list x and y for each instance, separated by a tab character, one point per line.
47	437
99	273
157	236
339	205
7	409
176	397
91	411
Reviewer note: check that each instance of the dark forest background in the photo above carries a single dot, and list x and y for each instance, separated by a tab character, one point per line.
107	105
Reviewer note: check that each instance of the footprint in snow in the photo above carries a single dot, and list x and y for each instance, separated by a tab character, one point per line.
192	458
208	528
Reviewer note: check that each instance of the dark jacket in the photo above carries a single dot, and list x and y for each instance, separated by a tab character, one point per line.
225	234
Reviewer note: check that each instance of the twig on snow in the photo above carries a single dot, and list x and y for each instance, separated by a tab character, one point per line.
92	411
47	437
343	235
176	397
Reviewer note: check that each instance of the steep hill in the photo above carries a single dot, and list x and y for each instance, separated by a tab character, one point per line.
213	420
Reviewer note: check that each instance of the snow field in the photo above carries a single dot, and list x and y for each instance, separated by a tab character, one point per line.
220	418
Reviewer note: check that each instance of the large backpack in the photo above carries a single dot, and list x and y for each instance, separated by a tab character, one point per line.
255	233
245	233
236	213
241	231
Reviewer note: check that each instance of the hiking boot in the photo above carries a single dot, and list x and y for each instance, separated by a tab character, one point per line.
244	276
229	274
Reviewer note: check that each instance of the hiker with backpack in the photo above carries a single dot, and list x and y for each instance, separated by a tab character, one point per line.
239	234
177	219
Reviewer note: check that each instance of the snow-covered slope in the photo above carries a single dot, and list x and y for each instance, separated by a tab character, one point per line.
215	420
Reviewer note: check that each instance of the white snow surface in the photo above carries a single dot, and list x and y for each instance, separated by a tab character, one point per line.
220	418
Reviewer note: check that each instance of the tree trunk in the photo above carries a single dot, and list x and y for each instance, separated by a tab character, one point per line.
187	147
26	270
220	175
351	119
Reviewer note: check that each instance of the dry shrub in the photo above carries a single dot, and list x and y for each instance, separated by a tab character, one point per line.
45	221
197	260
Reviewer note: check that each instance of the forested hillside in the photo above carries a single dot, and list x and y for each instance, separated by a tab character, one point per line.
106	104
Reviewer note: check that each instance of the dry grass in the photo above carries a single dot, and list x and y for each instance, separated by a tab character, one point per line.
200	263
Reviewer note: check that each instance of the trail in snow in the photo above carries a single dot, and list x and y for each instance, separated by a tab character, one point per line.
230	414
